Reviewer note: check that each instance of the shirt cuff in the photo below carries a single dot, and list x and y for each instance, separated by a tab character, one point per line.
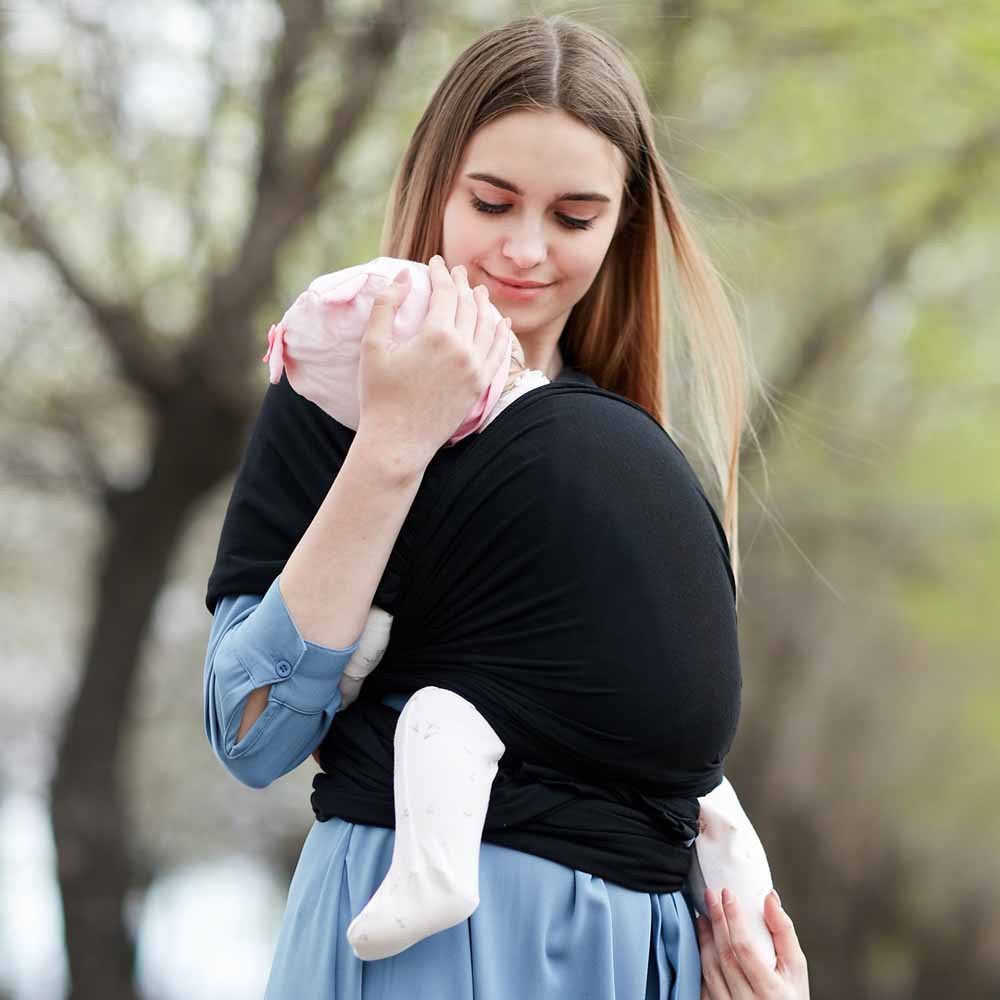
304	675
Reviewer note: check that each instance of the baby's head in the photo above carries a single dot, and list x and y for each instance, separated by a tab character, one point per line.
320	336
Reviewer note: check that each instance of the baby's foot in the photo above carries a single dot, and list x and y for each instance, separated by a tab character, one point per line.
408	907
445	759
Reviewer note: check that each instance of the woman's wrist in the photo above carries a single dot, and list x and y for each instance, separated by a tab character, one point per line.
392	462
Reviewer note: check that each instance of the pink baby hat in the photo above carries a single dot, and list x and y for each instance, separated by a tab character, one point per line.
318	341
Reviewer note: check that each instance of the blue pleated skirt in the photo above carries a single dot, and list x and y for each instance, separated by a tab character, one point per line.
541	930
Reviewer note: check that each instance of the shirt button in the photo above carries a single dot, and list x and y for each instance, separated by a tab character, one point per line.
284	668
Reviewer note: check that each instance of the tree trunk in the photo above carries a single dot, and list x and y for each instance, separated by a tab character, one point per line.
92	843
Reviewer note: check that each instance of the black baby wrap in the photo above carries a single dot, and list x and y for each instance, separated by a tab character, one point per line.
564	572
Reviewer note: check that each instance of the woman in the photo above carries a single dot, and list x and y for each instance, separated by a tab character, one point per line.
534	163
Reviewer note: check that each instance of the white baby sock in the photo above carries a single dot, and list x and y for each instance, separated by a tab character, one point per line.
728	854
446	757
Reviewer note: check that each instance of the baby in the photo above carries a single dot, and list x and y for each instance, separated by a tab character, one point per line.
433	879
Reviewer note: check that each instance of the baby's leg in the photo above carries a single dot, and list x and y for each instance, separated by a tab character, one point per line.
728	854
446	757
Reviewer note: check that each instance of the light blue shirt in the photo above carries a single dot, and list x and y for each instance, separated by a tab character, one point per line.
254	642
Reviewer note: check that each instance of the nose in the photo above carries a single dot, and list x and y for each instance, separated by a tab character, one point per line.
525	246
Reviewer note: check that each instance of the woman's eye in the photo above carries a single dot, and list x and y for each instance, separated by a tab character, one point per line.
567	220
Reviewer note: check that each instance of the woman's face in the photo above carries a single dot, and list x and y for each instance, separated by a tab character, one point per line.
537	231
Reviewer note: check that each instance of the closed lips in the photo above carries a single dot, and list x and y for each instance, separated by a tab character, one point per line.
519	284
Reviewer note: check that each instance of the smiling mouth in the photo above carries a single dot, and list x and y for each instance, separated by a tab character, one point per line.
522	288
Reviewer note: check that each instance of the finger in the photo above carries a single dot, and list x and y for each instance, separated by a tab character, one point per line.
467	311
499	350
485	324
786	942
731	971
444	295
713	983
387	300
756	970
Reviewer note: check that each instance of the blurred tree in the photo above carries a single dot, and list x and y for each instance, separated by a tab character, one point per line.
866	198
200	399
870	193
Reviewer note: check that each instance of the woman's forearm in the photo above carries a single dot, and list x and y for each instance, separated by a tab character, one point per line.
330	578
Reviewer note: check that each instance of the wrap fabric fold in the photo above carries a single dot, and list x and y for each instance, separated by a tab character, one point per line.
563	571
635	840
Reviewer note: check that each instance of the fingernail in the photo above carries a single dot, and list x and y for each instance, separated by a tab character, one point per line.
402	277
776	896
727	897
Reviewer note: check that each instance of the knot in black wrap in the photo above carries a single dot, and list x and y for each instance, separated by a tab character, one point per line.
564	572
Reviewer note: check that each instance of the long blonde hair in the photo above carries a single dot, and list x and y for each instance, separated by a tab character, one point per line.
618	332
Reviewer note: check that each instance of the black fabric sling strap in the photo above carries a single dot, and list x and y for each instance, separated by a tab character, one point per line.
564	572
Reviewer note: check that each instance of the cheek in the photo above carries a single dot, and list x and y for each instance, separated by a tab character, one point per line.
588	255
462	237
580	266
449	231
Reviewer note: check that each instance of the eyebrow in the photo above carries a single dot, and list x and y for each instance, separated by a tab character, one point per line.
508	186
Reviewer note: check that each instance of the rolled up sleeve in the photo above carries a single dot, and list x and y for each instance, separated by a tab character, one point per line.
254	642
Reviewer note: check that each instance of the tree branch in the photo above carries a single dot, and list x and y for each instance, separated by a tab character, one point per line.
23	464
841	320
289	192
863	178
120	325
289	189
224	92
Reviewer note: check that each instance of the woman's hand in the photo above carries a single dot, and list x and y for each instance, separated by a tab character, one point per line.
415	394
731	968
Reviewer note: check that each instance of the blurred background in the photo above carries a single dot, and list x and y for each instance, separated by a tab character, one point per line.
173	174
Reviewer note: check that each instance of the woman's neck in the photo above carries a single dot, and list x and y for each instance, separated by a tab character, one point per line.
546	358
